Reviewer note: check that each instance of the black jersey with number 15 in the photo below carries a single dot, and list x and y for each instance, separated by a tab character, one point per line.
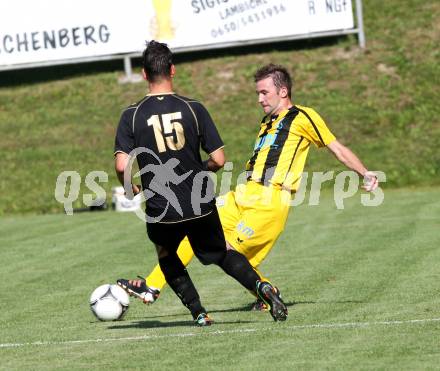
168	131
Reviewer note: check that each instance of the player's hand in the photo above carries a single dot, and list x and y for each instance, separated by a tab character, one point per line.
136	189
370	181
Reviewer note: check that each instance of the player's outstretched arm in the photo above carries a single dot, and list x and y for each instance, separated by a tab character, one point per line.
349	159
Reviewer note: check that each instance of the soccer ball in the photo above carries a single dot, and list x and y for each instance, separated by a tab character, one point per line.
109	302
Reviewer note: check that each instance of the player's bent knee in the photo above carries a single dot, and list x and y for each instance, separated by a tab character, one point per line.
161	251
171	267
207	258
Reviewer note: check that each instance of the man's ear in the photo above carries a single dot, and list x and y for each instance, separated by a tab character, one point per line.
283	92
172	70
144	74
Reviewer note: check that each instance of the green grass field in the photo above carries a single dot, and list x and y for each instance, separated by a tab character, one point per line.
362	286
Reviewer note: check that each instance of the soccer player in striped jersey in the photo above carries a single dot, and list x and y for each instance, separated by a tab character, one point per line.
255	214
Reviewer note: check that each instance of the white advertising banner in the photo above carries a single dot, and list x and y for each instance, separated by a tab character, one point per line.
33	31
48	30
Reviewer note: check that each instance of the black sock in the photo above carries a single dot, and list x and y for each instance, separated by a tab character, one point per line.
238	267
179	280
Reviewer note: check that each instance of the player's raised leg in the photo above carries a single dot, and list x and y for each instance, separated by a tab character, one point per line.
234	264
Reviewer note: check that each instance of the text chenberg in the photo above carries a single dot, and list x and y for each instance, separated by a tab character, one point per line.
54	39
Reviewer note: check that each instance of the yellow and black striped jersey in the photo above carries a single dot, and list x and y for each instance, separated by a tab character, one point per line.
282	146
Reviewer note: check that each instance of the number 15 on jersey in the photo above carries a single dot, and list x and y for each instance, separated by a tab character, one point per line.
172	135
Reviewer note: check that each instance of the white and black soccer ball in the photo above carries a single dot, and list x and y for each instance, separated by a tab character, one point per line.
109	302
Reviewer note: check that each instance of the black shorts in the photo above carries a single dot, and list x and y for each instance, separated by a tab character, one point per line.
205	235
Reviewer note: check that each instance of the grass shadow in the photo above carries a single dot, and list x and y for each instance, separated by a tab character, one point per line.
35	75
326	302
159	324
27	76
242	50
248	307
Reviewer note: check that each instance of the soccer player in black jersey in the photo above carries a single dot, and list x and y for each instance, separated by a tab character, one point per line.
166	131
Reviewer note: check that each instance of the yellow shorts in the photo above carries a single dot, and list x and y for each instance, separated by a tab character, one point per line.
253	217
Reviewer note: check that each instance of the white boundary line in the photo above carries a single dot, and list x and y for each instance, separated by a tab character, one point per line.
279	327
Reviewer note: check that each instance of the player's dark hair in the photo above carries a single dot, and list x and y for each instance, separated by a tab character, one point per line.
280	76
157	60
